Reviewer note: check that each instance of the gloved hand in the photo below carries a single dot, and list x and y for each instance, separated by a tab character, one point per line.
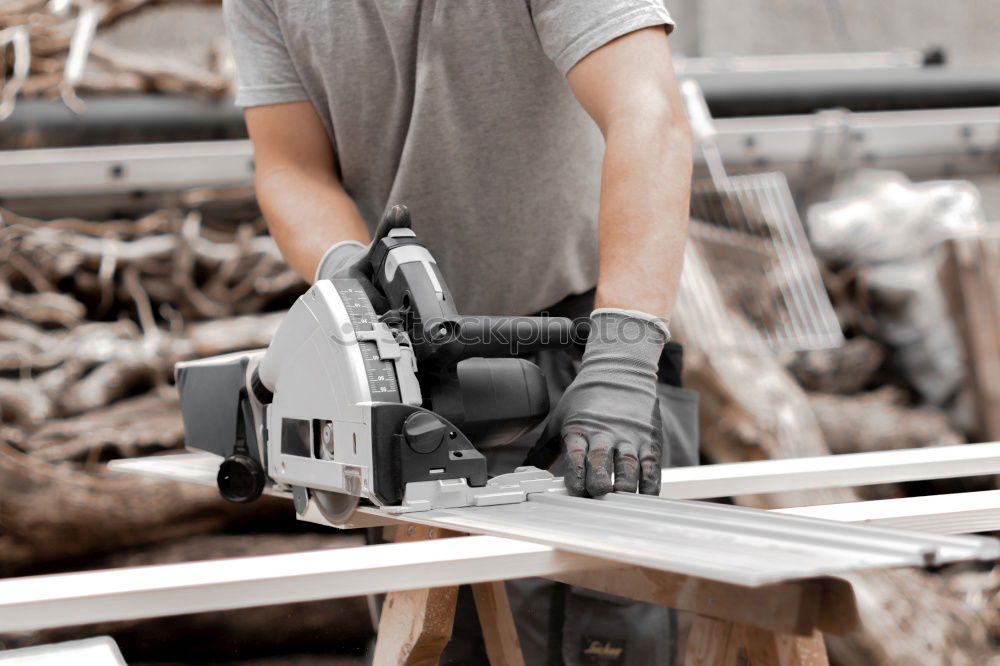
338	259
351	259
608	418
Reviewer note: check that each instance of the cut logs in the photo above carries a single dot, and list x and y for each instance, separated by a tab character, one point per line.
93	317
52	513
879	421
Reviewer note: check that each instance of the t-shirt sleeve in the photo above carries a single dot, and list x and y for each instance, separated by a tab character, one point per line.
265	73
571	29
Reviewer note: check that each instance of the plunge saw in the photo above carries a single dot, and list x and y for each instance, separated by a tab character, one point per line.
375	397
373	390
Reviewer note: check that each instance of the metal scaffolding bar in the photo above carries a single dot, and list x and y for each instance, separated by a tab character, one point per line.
786	142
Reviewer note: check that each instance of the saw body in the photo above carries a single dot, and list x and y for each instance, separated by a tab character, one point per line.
374	389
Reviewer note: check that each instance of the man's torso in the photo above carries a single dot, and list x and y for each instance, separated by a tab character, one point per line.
453	109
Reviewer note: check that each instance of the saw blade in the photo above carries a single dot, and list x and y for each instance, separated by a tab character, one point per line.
336	507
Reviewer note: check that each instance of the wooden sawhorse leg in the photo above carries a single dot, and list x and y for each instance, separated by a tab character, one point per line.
416	625
502	645
719	643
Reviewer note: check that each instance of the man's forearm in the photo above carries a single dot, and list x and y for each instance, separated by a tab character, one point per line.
645	192
306	214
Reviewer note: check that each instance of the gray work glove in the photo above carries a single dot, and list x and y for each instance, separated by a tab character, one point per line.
338	259
608	418
351	259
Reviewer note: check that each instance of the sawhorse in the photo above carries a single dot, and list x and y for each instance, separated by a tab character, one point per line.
773	625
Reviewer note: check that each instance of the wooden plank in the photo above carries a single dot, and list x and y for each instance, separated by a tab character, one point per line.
838	608
415	625
712	642
37	602
970	277
719	643
850	469
764	648
792	607
499	632
957	513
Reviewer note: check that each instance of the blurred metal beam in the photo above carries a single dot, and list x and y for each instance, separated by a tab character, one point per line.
839	139
799	62
828	140
128	168
861	89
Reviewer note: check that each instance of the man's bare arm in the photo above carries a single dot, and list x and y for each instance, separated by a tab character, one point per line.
629	89
306	207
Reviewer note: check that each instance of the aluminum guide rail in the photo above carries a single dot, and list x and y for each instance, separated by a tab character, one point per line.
731	544
736	545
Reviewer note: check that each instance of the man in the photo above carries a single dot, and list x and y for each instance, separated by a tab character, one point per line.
542	150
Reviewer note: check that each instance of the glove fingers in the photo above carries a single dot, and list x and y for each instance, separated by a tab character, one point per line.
575	445
626	468
651	476
651	457
600	463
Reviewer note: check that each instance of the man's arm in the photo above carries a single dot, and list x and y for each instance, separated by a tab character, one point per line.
306	207
628	88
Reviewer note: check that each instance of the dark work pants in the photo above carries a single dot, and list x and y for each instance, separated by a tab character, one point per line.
560	624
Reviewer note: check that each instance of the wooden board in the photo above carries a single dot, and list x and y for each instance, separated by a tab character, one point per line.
795	607
36	602
839	471
499	630
970	277
415	625
958	513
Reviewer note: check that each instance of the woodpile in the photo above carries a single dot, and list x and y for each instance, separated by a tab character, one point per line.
93	316
96	314
53	49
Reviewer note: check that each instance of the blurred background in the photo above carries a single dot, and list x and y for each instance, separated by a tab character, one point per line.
841	290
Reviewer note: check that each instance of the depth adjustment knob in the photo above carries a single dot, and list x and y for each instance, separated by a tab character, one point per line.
240	479
424	432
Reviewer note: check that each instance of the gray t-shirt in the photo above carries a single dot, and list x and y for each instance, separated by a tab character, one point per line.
459	109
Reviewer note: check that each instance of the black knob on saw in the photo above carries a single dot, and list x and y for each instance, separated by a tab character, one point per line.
397	217
240	479
424	432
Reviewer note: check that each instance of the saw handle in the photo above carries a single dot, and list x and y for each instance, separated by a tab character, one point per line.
491	337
